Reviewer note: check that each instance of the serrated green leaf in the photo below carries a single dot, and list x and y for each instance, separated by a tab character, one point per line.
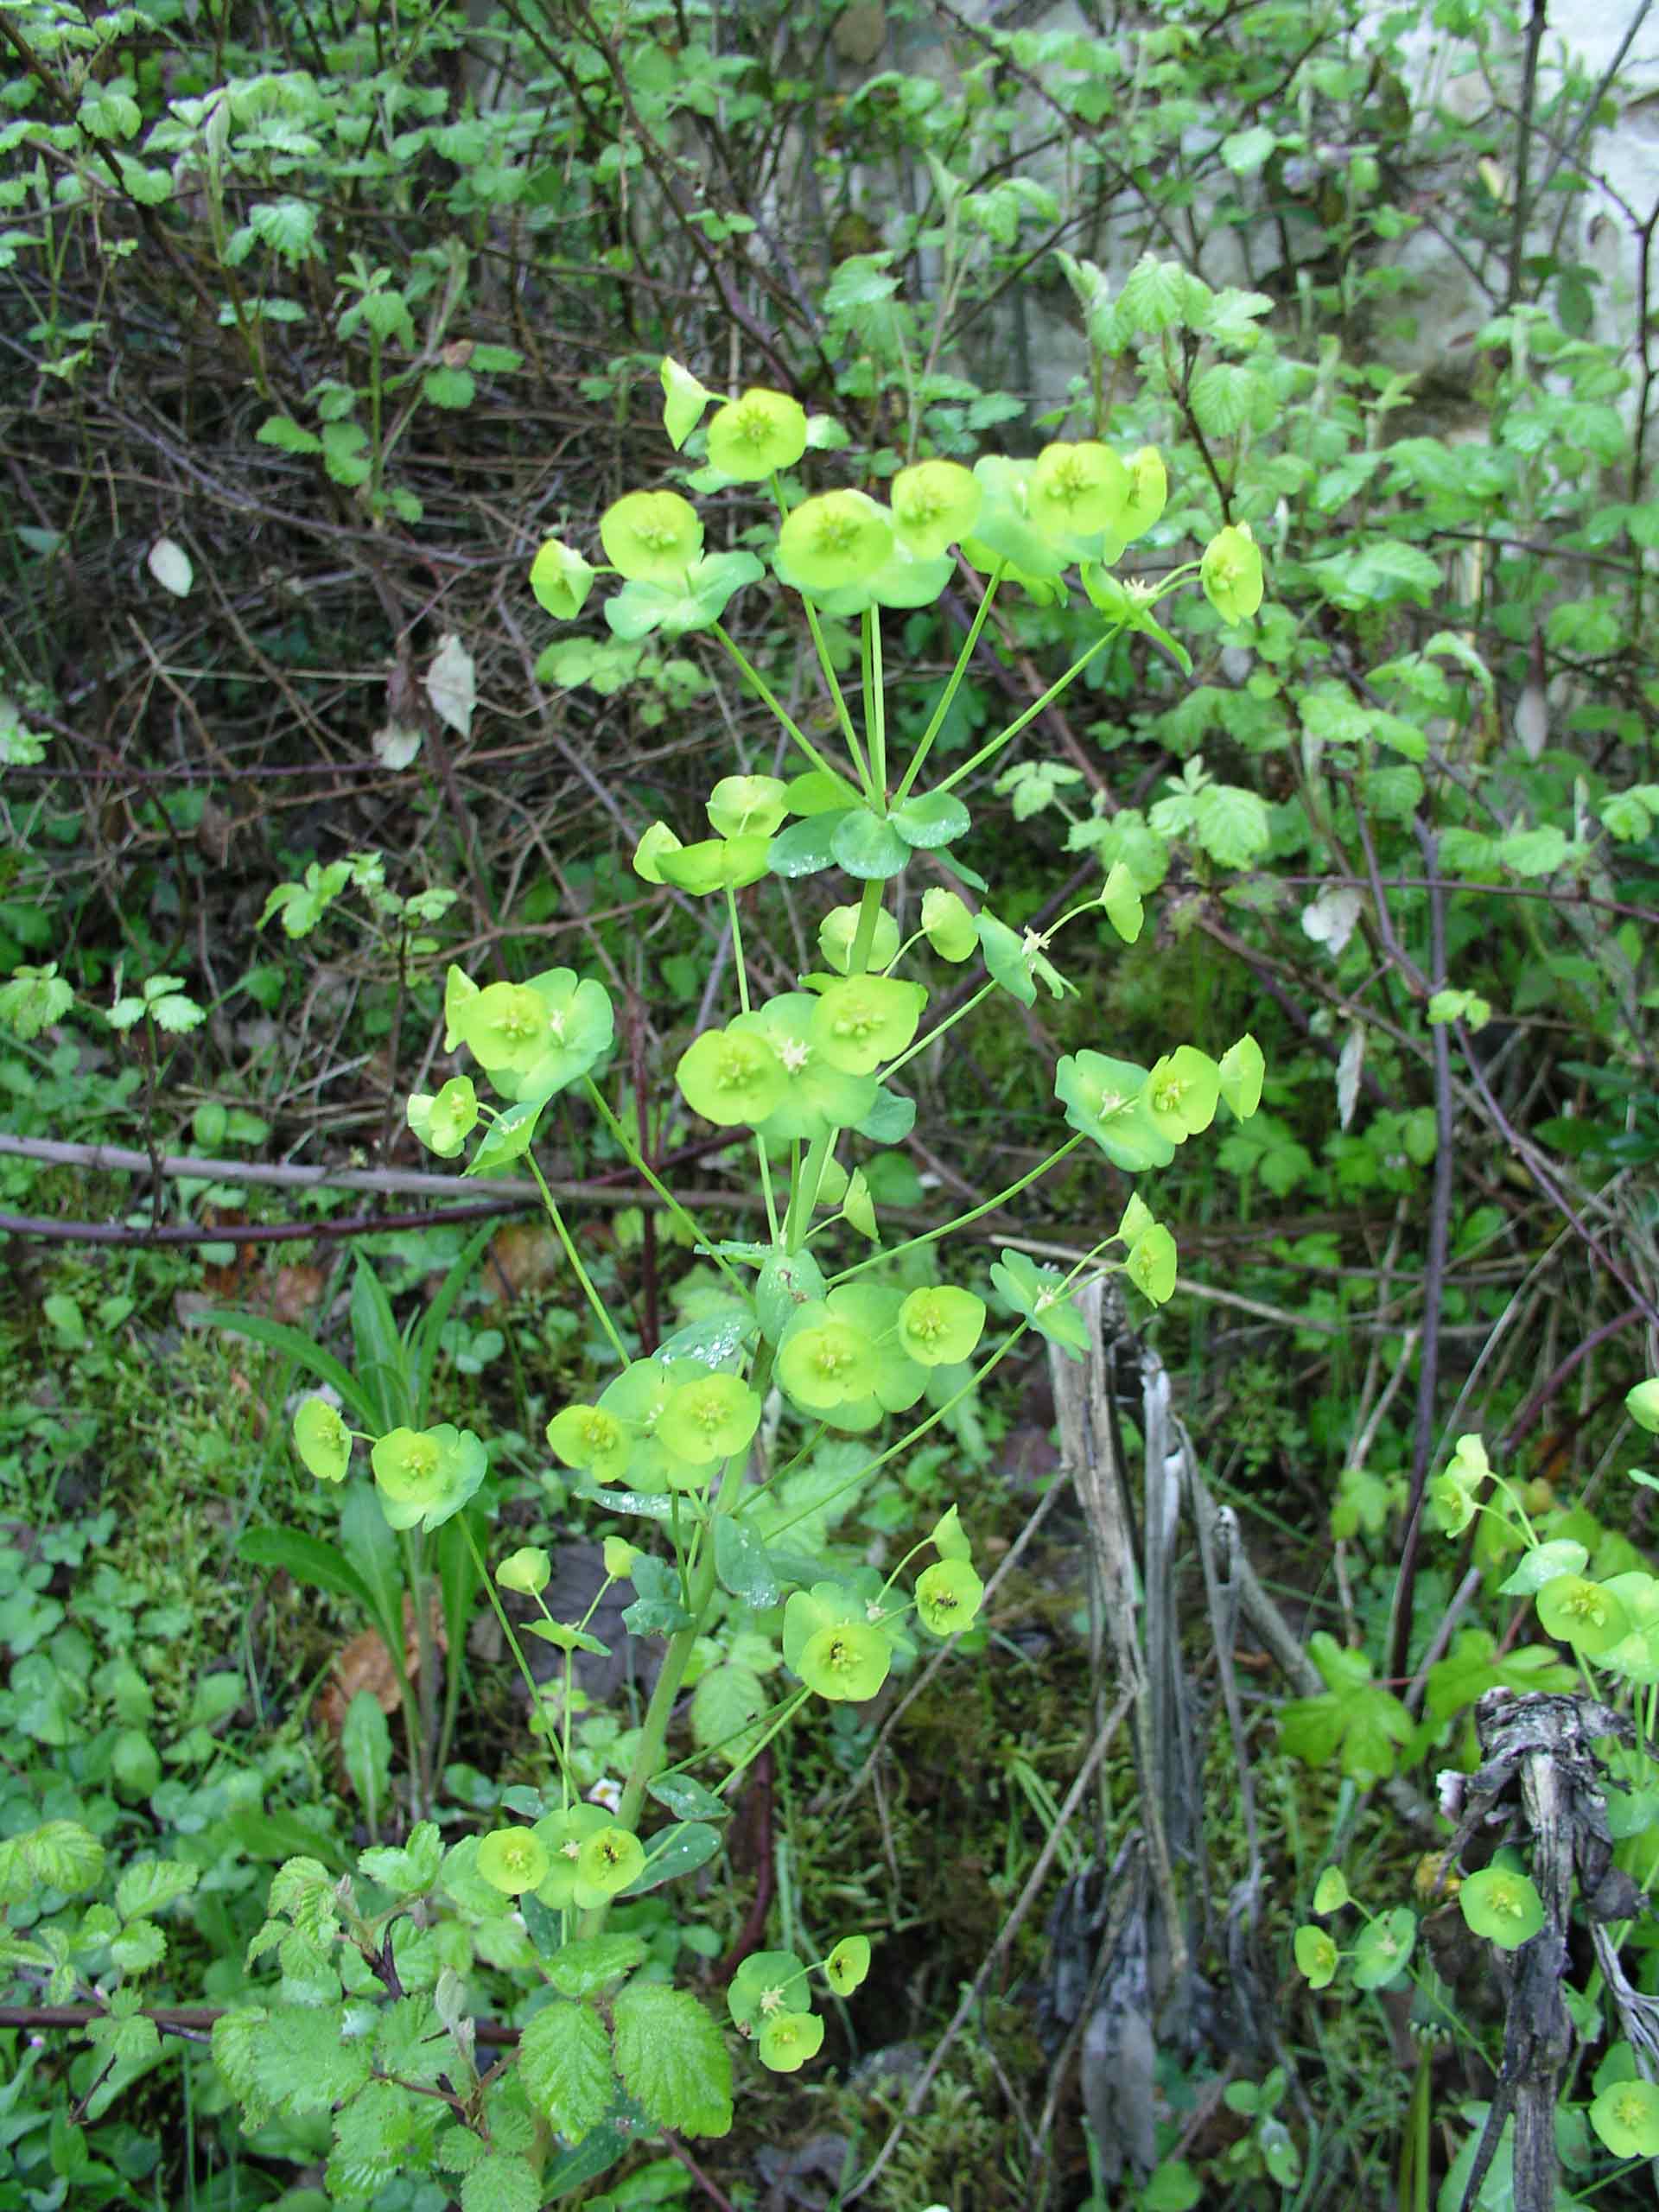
152	1885
581	1969
672	2057
564	2062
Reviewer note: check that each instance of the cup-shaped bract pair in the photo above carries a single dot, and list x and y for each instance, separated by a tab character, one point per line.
832	1645
1230	572
588	1858
443	1123
533	1039
844	1359
1105	1099
322	1440
426	1475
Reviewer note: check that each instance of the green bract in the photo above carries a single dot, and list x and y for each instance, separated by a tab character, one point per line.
322	1440
861	1020
757	437
1583	1613
789	2040
836	539
1642	1404
713	864
1182	1091
840	926
1384	1948
709	1420
939	1325
1317	1956
651	538
933	505
426	1475
443	1124
459	992
1501	1905
1105	1099
1626	2117
1151	1264
560	579
1039	1293
819	1096
1122	901
832	1644
532	1040
1077	491
562	1835
1242	1070
848	1964
658	842
1331	1891
529	1571
1149	491
607	1861
948	1596
746	806
948	924
592	1439
766	1986
732	1077
822	1363
684	401
513	1860
1231	573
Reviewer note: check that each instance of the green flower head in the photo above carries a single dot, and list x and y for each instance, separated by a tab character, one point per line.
748	806
840	926
788	2040
607	1861
732	1078
848	1964
528	1571
1182	1091
1231	573
534	1039
753	438
322	1440
766	1986
1076	490
1149	491
444	1124
1105	1099
934	504
948	925
709	1419
1503	1906
845	1662
712	864
948	1597
1152	1263
1626	2117
939	1325
562	1835
1039	1296
513	1860
1241	1071
1642	1404
658	842
426	1475
834	540
823	1361
592	1439
1586	1614
1317	1956
560	579
861	1020
651	538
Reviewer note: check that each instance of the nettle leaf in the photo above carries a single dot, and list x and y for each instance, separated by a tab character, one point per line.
501	2183
564	2062
301	2063
1378	573
1244	152
1223	398
152	1885
673	2058
582	1969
